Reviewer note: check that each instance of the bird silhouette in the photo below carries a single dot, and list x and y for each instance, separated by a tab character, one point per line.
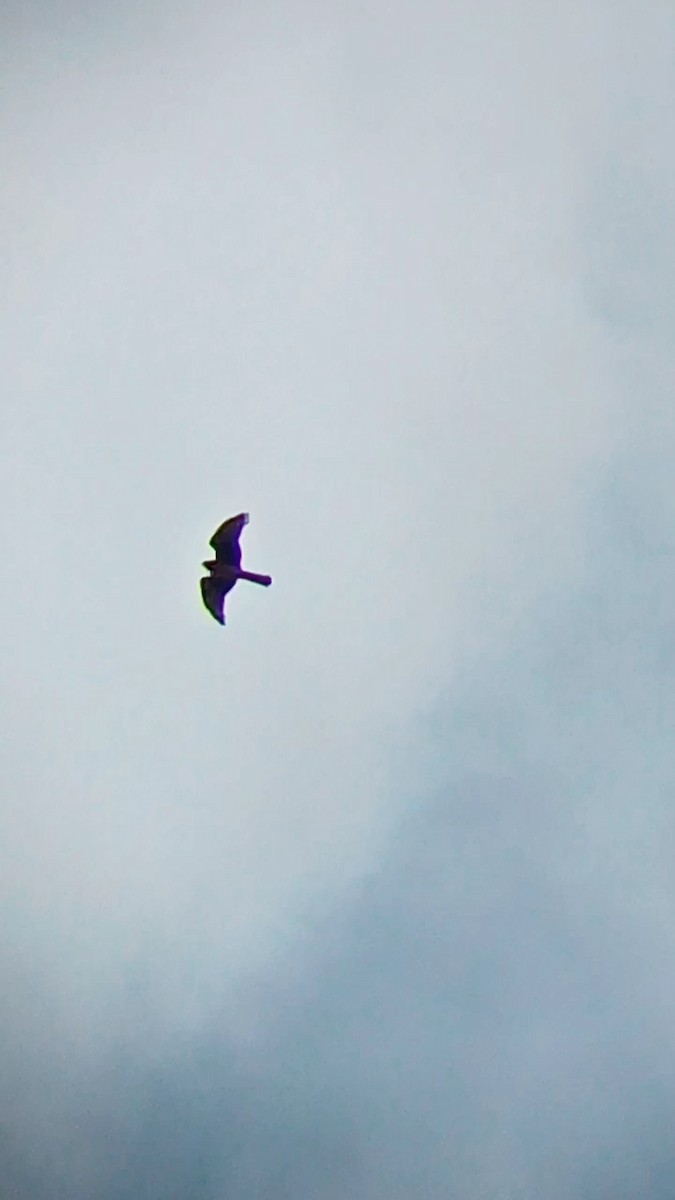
225	569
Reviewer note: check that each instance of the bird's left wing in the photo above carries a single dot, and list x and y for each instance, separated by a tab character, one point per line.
225	540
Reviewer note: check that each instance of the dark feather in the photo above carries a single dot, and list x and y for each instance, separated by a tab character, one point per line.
213	595
225	540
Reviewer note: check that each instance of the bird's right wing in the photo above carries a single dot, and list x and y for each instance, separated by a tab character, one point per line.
213	595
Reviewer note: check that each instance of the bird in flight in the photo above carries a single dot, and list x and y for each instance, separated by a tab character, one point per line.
225	569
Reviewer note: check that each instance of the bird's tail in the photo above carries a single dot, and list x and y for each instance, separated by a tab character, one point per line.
263	580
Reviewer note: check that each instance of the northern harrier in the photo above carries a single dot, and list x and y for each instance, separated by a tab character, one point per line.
225	569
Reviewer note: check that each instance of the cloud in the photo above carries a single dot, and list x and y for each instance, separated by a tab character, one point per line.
489	1010
370	276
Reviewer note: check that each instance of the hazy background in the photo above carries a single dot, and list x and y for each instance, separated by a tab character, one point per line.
369	894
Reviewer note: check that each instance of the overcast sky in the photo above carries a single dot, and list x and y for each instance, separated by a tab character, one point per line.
369	894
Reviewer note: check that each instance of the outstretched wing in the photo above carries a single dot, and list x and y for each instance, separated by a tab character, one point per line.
225	540
213	595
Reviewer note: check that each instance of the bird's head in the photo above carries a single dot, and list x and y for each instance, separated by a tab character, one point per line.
210	564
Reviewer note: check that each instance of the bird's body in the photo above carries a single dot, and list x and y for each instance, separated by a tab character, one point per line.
225	569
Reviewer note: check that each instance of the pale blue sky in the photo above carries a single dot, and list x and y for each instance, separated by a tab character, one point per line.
369	894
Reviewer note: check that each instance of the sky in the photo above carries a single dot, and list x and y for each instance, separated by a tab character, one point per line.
368	894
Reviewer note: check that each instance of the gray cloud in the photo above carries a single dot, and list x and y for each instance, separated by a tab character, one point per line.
490	1010
372	894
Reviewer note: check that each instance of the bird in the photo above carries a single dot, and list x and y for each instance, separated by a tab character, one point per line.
225	569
